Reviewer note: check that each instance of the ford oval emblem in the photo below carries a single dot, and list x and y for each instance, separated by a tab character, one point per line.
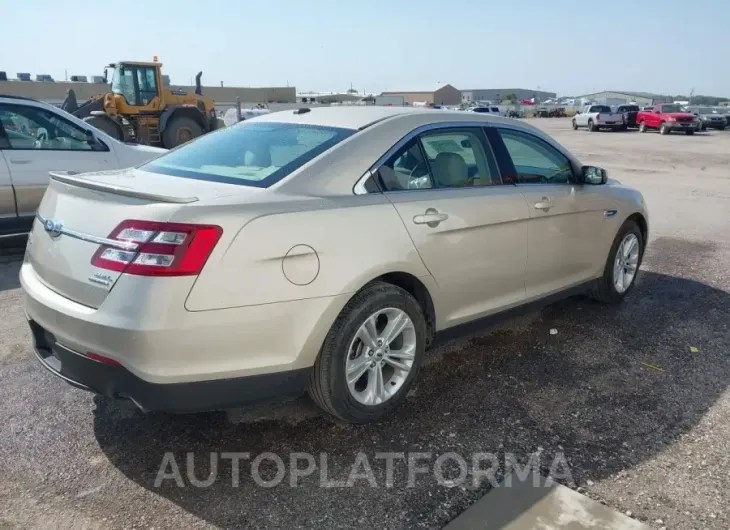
53	227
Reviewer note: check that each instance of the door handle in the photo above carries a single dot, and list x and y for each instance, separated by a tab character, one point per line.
432	217
20	161
543	205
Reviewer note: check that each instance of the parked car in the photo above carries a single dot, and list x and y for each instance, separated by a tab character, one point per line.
667	117
322	249
36	138
486	110
597	117
629	112
709	118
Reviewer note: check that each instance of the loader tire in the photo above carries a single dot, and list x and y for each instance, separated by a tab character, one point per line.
179	131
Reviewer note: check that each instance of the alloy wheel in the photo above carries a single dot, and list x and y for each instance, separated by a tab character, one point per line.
626	263
381	356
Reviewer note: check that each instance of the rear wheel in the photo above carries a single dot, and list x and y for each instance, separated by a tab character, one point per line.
663	129
371	355
575	125
689	132
642	127
106	125
180	130
592	126
622	265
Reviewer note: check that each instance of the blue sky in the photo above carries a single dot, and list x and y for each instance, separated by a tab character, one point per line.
567	46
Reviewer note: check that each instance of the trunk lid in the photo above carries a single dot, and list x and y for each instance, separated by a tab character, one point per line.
78	212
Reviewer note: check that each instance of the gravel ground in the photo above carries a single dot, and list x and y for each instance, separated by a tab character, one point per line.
642	421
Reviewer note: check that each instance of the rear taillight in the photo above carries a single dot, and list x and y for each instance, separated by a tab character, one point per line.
598	116
162	249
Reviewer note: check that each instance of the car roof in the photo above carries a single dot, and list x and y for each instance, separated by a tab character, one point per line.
354	117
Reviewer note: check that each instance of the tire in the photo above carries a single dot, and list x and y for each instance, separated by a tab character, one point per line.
663	129
575	125
106	125
180	130
591	126
605	290
328	386
721	128
689	132
642	127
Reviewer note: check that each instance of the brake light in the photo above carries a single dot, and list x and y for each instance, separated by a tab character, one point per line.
158	249
598	116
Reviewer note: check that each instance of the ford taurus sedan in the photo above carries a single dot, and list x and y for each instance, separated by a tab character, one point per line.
317	250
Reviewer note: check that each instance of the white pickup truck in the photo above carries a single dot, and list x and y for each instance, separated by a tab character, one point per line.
597	117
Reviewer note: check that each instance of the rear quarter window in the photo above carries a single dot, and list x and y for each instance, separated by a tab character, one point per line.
249	153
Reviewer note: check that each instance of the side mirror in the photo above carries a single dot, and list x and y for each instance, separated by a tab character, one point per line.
594	175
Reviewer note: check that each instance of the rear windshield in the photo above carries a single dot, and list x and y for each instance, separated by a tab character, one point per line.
249	154
628	108
600	108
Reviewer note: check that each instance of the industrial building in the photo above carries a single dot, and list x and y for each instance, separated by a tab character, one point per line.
610	97
438	95
495	95
56	92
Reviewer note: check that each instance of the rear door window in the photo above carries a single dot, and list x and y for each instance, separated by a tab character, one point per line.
250	153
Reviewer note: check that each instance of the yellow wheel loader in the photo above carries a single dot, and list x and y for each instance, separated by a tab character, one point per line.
141	109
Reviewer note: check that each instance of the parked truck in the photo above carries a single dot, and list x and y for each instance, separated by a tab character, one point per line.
630	112
667	117
597	117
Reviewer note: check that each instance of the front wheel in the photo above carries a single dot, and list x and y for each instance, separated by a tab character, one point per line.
180	130
622	265
689	132
371	355
575	125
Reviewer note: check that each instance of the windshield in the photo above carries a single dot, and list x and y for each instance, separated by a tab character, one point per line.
123	83
249	154
671	108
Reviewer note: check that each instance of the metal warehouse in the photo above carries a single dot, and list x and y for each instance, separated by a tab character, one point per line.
438	95
498	94
608	97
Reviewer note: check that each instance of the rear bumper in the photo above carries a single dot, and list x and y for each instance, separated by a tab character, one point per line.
159	342
119	383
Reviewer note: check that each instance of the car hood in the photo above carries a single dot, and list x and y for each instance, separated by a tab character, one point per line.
147	149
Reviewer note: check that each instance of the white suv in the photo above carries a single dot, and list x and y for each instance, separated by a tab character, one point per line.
36	138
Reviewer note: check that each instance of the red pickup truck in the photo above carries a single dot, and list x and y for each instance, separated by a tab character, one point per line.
667	117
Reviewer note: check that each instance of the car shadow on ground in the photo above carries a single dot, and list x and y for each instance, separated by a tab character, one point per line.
615	386
10	262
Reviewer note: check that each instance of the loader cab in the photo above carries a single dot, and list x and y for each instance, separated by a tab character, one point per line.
138	83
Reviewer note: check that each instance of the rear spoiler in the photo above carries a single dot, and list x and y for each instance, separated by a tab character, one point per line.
67	177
